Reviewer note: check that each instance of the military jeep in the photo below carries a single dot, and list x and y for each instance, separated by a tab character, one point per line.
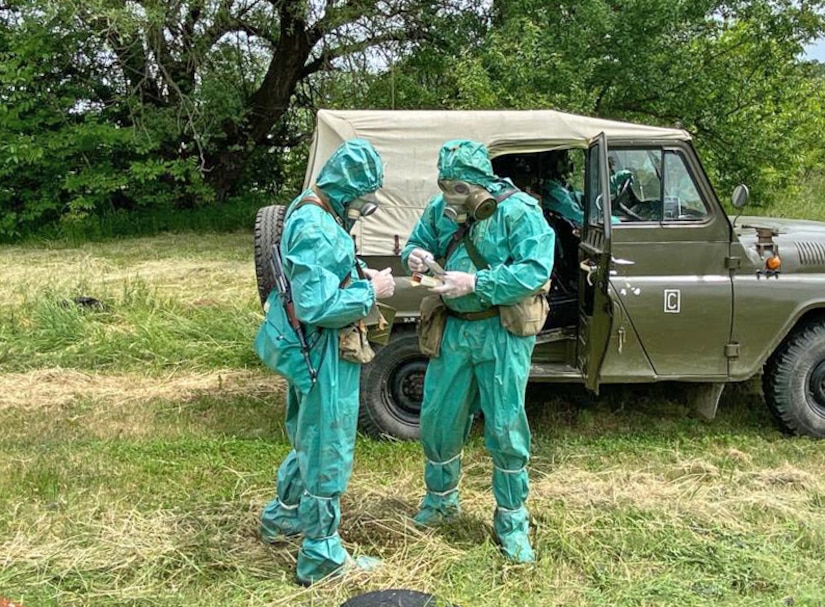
657	284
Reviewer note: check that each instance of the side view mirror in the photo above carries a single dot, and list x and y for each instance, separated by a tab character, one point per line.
740	196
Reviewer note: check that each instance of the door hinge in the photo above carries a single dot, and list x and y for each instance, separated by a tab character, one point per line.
732	350
733	263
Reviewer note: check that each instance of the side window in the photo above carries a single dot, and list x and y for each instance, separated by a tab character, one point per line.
595	214
636	184
653	185
682	201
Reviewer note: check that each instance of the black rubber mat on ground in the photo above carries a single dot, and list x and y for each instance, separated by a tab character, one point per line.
393	598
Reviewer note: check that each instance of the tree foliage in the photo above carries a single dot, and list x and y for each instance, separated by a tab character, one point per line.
114	105
149	103
729	72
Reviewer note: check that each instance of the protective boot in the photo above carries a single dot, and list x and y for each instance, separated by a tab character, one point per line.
440	504
279	522
437	509
512	530
315	562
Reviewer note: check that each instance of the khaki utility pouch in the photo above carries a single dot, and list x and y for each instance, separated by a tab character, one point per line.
528	316
379	323
353	345
431	325
524	318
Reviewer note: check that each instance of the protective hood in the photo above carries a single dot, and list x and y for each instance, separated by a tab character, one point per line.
354	169
465	160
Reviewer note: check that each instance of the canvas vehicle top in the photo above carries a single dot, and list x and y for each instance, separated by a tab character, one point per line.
654	283
408	142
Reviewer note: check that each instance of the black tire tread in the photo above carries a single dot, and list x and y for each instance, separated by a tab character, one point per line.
779	376
368	422
269	228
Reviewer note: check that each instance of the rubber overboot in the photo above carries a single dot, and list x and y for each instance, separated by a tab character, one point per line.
279	522
437	510
512	529
321	559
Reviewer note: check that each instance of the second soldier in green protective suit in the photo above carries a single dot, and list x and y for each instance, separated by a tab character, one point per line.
481	364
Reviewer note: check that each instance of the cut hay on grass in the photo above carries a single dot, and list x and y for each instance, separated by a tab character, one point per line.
59	388
228	281
139	444
665	492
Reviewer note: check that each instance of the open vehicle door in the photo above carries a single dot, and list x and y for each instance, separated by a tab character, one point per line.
595	306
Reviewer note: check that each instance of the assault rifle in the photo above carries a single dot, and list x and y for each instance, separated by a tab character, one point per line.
285	295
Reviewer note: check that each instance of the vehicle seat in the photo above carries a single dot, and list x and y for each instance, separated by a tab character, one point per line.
563	296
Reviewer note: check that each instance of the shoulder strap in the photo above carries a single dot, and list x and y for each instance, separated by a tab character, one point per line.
313	199
506	194
319	202
475	256
456	238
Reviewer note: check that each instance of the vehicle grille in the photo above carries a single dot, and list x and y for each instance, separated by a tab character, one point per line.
811	253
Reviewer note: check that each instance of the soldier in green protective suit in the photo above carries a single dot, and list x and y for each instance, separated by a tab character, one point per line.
319	261
556	193
481	365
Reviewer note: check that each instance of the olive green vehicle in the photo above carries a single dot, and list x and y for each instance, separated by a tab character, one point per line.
657	284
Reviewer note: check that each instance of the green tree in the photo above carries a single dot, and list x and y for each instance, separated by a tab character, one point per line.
728	72
115	104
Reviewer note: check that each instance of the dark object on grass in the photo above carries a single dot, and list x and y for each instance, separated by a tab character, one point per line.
393	598
89	303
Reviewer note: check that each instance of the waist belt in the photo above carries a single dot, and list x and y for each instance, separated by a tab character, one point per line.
489	313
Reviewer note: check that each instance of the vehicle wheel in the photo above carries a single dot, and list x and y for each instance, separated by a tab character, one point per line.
392	387
794	382
269	227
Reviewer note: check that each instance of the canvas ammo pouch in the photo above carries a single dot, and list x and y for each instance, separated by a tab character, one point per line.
379	323
528	316
353	345
431	325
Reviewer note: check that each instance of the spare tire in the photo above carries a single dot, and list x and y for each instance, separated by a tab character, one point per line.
269	227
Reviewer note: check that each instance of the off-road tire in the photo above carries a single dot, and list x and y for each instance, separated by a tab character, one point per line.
794	382
392	386
269	227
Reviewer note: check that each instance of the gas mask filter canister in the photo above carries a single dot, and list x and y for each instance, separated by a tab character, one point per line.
363	206
466	200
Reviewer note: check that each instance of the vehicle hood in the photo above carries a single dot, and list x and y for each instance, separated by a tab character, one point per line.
800	243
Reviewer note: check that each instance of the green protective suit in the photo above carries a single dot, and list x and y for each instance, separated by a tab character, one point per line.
482	365
321	418
557	198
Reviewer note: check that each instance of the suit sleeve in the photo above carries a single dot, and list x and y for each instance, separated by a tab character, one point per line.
532	243
316	291
424	235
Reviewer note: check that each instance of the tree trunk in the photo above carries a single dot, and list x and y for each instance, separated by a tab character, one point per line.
265	108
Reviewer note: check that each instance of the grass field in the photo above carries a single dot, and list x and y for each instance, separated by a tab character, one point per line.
138	443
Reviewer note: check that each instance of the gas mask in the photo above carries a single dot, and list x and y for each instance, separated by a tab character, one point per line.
466	200
363	206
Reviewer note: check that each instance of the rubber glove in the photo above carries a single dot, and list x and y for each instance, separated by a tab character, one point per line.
383	283
416	260
455	284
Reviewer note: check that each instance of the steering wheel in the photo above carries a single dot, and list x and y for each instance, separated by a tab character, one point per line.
624	188
624	197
